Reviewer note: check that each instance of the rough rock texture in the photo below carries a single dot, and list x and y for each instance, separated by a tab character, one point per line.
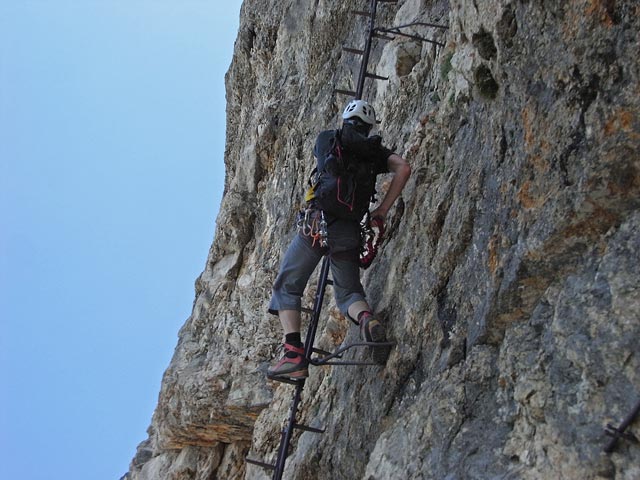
509	277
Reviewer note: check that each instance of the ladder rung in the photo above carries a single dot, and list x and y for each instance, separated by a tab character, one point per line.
320	351
307	310
327	359
268	466
321	362
344	92
361	13
377	77
357	51
308	429
617	433
383	36
290	381
329	282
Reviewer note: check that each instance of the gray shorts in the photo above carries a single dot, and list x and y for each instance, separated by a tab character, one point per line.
301	259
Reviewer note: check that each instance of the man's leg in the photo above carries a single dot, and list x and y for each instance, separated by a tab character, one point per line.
293	346
290	320
298	263
297	266
357	308
351	301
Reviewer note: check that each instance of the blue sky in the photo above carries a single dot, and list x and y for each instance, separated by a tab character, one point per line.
111	173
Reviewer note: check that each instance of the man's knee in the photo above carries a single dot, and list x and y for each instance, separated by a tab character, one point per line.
351	256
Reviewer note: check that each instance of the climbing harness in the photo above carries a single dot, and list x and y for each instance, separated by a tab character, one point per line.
311	223
620	432
308	224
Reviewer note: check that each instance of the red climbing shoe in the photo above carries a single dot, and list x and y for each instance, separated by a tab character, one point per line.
291	365
371	330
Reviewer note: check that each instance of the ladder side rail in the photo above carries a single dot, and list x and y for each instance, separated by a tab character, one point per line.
317	307
283	452
367	50
308	349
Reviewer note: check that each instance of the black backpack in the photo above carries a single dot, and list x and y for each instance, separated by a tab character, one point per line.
345	175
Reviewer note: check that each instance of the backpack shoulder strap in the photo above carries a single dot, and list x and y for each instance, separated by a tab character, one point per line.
313	172
337	148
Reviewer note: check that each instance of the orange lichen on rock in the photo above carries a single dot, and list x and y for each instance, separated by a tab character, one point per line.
620	121
528	198
602	10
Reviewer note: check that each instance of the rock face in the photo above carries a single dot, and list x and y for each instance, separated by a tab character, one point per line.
509	275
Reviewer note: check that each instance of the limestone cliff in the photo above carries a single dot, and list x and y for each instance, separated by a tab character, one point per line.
509	275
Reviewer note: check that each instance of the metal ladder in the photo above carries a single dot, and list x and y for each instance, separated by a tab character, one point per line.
382	33
323	357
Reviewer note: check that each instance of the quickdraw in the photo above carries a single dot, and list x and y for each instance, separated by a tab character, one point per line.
311	223
371	240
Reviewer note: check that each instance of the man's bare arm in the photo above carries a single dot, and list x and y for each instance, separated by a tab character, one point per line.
402	171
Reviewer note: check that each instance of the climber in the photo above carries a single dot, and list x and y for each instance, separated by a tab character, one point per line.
348	162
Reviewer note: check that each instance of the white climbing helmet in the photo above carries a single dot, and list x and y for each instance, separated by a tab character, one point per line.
360	109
